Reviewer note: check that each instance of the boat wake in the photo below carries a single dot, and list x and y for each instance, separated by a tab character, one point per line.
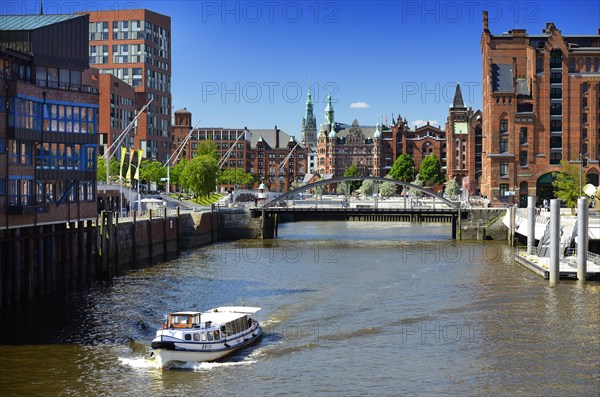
143	363
139	362
209	366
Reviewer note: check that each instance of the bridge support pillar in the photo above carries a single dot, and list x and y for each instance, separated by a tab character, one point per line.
456	235
268	225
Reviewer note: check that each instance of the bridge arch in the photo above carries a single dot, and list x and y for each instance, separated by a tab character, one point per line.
326	182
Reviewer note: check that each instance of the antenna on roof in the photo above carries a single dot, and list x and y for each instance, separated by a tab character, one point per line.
41	7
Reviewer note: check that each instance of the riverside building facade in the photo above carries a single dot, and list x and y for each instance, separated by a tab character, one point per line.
48	151
541	106
135	46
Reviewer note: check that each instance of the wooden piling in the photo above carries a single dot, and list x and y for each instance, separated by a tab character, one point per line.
29	267
40	266
150	236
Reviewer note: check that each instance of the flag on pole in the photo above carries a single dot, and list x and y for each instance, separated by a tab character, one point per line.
128	176
123	154
137	170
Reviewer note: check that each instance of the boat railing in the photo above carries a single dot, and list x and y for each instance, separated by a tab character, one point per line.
591	256
539	218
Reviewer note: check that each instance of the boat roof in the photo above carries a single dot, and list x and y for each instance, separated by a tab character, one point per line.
221	314
190	313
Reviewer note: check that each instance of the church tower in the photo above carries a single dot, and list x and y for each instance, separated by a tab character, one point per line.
309	125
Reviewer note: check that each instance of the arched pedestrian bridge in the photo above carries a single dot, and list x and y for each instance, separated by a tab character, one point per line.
294	206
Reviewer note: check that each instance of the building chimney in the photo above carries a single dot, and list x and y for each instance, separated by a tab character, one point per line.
485	20
276	137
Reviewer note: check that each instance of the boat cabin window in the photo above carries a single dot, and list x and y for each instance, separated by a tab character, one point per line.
183	320
203	336
239	325
209	335
188	336
216	335
196	337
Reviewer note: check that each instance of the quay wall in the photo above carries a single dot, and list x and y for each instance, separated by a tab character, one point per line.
483	224
42	260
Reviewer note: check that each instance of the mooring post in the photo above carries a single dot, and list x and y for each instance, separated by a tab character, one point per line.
134	226
554	241
177	227
165	241
454	225
150	253
459	225
530	224
582	238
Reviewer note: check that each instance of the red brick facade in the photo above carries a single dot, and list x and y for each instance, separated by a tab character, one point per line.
116	108
136	47
540	106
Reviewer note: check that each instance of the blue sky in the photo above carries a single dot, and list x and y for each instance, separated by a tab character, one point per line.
249	63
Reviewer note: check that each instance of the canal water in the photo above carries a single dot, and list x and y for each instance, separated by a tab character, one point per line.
349	309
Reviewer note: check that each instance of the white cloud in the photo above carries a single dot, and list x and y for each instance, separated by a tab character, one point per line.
421	123
359	105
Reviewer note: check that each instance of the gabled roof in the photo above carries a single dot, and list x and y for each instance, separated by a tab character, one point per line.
268	136
32	22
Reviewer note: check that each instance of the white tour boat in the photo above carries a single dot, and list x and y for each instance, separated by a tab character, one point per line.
205	336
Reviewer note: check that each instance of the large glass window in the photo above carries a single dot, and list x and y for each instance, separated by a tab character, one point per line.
69	118
20	190
503	125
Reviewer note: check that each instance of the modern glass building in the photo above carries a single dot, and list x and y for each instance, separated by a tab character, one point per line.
48	122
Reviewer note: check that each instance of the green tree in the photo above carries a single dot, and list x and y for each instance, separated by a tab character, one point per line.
235	176
566	184
452	189
200	175
403	169
207	148
431	170
175	173
101	169
367	188
152	171
319	190
351	171
387	189
417	182
296	184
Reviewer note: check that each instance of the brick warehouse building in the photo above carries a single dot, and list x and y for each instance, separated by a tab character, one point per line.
374	150
259	151
48	150
541	105
135	46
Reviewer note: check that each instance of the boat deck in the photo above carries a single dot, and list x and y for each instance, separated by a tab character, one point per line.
567	266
